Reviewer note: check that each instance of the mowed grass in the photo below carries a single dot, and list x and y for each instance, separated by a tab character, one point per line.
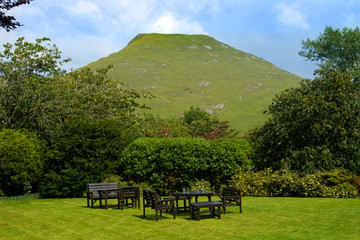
262	218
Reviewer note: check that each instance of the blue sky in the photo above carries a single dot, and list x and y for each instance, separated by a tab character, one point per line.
86	30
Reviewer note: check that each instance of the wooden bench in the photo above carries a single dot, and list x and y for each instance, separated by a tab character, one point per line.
195	209
94	192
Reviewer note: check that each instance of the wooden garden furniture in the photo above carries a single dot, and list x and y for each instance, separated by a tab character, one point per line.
195	209
152	200
127	194
188	195
231	197
99	191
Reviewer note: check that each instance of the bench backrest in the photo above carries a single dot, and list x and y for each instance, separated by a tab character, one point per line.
150	198
131	191
92	187
231	192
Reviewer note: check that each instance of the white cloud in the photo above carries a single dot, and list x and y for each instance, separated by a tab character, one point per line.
85	8
168	24
290	14
134	14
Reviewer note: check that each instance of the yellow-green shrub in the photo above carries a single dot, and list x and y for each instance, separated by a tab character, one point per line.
286	183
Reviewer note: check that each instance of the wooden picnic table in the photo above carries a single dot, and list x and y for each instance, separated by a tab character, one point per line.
190	194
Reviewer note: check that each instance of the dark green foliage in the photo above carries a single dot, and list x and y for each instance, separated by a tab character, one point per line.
199	122
202	124
195	123
313	127
36	94
85	117
21	161
9	22
170	164
337	184
339	177
85	152
157	127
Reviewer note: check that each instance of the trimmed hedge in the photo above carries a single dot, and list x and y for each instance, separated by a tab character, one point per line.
170	164
338	184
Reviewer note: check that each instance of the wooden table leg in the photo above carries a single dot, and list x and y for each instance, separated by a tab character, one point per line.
106	204
191	212
198	213
100	196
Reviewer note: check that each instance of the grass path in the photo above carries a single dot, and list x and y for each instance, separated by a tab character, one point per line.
262	218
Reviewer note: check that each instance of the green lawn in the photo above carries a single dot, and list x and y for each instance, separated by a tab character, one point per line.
262	218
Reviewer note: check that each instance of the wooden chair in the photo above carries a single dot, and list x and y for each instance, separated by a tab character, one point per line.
131	193
231	197
153	200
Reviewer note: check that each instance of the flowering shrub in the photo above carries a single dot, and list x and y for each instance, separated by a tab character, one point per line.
201	185
338	184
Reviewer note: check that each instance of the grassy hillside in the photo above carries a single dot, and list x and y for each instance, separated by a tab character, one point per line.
197	70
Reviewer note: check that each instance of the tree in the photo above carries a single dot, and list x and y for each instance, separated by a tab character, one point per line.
199	122
335	48
28	74
92	95
313	127
202	124
37	94
21	161
87	151
9	22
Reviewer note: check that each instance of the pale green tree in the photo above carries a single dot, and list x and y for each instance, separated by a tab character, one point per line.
335	48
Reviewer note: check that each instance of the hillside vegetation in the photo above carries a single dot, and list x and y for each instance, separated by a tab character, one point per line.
197	70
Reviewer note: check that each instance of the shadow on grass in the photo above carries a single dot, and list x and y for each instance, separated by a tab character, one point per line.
152	217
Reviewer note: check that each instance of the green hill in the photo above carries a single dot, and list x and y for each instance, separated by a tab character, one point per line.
197	70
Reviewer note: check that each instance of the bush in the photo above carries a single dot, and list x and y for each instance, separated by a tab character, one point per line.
291	184
87	151
170	164
21	161
201	185
252	183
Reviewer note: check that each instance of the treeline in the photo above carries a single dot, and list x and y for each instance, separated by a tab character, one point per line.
62	130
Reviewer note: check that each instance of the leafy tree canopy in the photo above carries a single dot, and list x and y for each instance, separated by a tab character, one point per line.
195	123
27	73
199	121
313	127
37	94
335	48
9	22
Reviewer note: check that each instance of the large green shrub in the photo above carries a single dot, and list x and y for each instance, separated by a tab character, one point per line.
84	152
315	127
339	183
170	164
21	161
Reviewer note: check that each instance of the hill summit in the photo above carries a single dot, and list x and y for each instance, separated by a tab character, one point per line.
197	70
